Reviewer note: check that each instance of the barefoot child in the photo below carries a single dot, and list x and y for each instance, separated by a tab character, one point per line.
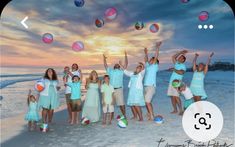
185	91
75	98
107	91
197	84
32	115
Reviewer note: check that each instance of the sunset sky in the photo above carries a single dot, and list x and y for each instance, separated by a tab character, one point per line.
178	30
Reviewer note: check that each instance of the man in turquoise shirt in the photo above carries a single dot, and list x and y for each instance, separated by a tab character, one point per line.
151	69
116	80
178	71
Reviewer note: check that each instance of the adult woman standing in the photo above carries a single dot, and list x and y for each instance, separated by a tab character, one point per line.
91	109
48	99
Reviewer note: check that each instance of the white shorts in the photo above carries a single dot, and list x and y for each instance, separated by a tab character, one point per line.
172	91
118	97
108	108
149	92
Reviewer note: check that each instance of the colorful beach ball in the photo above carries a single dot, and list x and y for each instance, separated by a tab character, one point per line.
47	38
122	124
44	128
78	46
154	28
110	13
185	1
99	23
139	25
79	3
203	16
158	119
39	86
85	121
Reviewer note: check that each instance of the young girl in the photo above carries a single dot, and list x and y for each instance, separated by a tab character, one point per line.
91	108
32	115
107	91
183	89
48	99
66	78
136	94
75	98
197	84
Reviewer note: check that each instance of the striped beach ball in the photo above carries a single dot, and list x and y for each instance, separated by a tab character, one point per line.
111	13
203	16
185	1
85	121
47	38
78	46
139	25
99	23
39	86
158	119
79	3
154	28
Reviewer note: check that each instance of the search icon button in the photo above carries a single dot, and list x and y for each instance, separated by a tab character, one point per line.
202	121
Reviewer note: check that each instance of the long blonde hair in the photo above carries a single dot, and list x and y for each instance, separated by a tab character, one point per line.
91	76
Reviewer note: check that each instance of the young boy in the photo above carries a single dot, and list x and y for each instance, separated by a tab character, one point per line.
107	91
183	89
75	98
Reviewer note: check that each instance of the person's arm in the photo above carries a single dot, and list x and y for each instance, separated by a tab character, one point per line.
195	62
105	62
126	60
29	94
174	57
121	65
180	72
143	71
128	73
208	62
113	99
81	75
103	102
87	83
158	44
146	55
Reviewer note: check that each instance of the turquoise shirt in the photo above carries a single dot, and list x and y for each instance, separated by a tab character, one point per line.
175	76
150	74
75	90
116	77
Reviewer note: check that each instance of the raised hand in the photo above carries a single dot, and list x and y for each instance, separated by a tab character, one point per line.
104	56
145	50
211	54
158	44
184	51
30	91
196	54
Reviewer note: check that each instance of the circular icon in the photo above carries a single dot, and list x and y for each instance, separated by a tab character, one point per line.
199	26
211	26
205	26
202	121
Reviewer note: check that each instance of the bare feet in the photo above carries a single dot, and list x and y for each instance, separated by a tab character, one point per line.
140	119
174	112
181	113
133	118
103	123
110	123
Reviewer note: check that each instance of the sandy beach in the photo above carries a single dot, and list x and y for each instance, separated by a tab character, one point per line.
220	89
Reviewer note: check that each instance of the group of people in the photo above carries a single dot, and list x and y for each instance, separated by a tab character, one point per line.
142	88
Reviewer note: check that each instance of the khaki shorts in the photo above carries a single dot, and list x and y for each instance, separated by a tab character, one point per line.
108	108
149	92
67	97
118	97
172	91
76	105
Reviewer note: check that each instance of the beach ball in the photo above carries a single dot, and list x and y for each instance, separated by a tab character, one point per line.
39	86
185	1
79	3
203	16
139	25
99	23
78	46
121	124
154	28
110	13
44	128
158	119
85	121
47	38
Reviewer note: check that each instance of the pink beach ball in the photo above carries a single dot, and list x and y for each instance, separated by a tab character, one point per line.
78	46
111	13
154	28
203	16
47	38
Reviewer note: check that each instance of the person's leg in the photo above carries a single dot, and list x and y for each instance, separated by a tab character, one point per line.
29	125
123	110
133	112
150	111
139	112
44	115
50	115
104	118
197	98
173	101
73	118
69	107
178	102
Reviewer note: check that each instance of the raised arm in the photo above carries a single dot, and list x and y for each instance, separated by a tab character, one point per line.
158	44
208	62
105	62
87	83
174	57
146	55
126	60
29	94
195	62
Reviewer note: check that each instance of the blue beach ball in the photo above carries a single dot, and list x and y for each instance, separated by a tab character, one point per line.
158	119
79	3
